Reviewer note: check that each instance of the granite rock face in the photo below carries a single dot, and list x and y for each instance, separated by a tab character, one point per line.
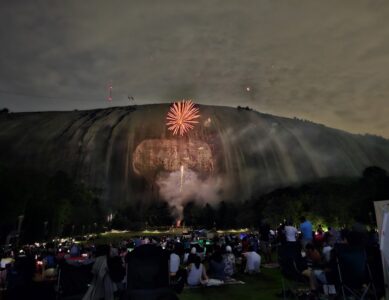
230	155
152	156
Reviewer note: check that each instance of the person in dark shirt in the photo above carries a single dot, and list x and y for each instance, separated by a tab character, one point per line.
216	265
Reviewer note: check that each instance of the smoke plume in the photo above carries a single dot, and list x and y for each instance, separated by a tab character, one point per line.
179	188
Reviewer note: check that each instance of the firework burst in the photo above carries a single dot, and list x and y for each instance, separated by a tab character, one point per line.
182	116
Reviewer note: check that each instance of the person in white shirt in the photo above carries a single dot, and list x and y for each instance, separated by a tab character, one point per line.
5	264
291	232
253	261
327	252
174	263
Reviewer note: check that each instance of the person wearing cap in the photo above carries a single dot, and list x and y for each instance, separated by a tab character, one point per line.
229	262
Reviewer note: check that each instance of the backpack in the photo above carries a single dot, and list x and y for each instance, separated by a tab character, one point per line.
116	269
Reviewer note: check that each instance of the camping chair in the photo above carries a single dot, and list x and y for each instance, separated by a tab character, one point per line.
73	280
148	276
354	273
291	266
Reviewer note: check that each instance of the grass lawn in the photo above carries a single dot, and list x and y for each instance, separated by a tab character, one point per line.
263	286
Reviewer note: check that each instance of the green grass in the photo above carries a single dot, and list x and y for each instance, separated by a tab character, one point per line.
262	286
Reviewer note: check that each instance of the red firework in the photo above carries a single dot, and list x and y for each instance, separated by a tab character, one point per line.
182	116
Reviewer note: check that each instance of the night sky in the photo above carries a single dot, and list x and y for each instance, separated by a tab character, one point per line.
326	61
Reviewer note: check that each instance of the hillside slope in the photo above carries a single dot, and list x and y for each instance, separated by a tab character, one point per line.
231	154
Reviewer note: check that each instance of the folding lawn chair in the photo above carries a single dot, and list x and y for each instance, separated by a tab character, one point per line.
355	278
148	274
73	280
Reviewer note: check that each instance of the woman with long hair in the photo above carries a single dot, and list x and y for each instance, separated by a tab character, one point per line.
197	273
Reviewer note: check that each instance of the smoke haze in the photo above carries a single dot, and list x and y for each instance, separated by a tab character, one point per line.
193	188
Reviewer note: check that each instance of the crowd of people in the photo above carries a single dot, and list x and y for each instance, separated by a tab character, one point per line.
147	267
321	256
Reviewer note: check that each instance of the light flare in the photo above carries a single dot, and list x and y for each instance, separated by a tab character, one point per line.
182	177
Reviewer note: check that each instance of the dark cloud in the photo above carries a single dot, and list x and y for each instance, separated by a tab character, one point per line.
312	59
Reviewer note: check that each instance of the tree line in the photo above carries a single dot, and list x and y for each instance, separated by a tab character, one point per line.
57	205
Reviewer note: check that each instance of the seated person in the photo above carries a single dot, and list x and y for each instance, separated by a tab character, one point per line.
229	262
74	251
197	273
253	261
49	265
216	265
5	266
312	254
189	257
326	252
313	258
325	275
6	259
174	262
352	262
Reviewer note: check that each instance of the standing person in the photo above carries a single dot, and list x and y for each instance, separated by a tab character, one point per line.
245	244
281	233
319	236
330	236
291	232
264	231
306	232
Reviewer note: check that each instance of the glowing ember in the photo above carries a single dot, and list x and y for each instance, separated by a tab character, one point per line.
178	223
182	116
